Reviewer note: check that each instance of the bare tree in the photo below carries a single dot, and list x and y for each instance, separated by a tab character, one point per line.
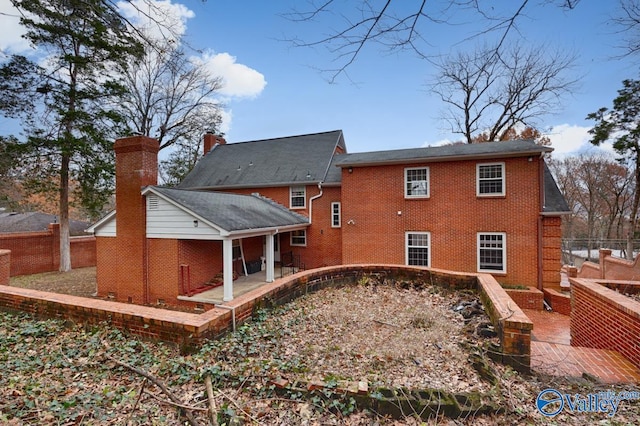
628	20
399	25
490	92
171	97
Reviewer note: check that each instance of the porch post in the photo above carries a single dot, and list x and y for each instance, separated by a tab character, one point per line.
227	268
269	258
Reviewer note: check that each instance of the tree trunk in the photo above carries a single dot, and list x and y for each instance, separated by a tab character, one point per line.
634	211
65	243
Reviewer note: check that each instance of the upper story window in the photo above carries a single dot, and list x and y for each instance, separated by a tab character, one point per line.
298	197
335	215
417	248
490	179
492	252
416	182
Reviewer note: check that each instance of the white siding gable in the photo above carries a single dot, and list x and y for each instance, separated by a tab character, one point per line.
165	220
108	229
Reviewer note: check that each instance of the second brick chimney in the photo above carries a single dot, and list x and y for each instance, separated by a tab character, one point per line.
210	140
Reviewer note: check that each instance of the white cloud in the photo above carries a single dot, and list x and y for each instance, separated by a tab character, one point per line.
239	81
11	40
227	117
568	139
160	19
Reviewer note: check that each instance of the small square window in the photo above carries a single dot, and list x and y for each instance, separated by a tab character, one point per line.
492	252
417	248
298	197
299	238
490	179
416	182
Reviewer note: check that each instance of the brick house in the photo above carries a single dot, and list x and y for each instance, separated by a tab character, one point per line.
491	207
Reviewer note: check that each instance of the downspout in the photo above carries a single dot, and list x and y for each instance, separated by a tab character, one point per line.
315	197
540	224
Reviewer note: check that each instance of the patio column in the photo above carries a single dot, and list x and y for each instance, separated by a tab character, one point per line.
269	258
227	268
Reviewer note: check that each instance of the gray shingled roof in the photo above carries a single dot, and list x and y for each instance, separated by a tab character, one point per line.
554	201
268	162
233	212
442	153
35	221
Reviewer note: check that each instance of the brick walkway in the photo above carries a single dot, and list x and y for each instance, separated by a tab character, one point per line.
552	353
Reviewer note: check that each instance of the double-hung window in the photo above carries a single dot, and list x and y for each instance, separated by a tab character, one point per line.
298	197
490	179
416	182
299	238
492	252
335	215
417	248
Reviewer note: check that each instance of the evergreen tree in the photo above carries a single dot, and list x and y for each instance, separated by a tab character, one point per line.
67	101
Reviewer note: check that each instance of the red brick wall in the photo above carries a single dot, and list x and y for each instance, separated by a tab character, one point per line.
604	319
106	260
527	299
5	266
36	252
204	259
373	196
559	301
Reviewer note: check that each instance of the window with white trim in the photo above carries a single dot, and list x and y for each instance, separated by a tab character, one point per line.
416	182
492	252
298	197
299	238
490	179
335	215
417	248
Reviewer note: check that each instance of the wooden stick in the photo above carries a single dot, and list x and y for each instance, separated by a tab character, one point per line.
158	383
164	401
213	411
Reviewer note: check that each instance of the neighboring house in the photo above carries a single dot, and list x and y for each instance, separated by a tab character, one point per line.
490	207
36	222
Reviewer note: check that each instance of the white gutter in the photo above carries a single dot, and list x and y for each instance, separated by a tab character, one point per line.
315	197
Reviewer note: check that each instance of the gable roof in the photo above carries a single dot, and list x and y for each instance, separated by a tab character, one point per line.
554	201
488	150
231	212
268	162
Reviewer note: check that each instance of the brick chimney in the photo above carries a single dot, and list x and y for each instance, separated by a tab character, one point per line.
210	140
136	167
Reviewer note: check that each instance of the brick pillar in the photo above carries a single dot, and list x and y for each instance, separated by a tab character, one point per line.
136	167
54	230
551	251
603	254
5	266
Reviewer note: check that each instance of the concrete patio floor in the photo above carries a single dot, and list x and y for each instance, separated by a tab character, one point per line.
242	285
552	353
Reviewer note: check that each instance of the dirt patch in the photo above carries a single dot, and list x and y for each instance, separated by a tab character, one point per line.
77	282
386	336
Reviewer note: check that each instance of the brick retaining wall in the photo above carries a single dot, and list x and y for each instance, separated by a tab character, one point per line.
604	319
190	329
5	266
36	252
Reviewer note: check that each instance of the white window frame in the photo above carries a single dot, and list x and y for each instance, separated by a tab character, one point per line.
336	213
300	191
407	247
298	244
503	248
406	183
502	180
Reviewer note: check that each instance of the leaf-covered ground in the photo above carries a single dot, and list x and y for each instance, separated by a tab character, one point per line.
57	373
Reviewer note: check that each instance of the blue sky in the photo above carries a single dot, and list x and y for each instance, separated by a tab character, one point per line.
273	89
